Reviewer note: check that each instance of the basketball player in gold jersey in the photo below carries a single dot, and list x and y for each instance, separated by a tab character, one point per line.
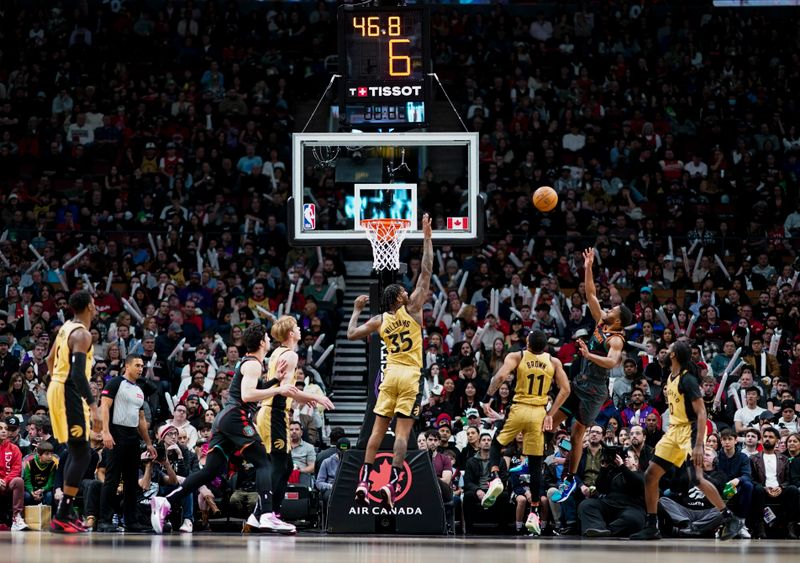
274	416
400	327
535	371
687	420
71	403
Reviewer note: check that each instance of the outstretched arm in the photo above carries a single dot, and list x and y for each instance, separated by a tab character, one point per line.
509	365
588	280
251	372
420	293
609	361
355	332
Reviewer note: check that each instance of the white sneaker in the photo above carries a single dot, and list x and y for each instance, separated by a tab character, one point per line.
159	510
251	525
744	533
18	524
187	526
495	490
533	525
271	523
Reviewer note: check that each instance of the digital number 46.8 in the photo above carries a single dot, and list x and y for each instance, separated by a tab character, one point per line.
371	26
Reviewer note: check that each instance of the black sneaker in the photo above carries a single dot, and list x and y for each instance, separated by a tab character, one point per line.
597	533
109	528
137	528
647	533
570	529
731	527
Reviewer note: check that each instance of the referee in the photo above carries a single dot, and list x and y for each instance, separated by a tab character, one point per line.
123	423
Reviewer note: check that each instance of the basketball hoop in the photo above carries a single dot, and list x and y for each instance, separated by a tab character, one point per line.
386	236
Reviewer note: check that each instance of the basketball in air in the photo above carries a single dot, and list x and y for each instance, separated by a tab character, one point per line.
545	199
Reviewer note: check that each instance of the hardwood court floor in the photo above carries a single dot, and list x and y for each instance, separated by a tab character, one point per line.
36	547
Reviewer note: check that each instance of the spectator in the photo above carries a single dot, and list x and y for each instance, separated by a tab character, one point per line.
11	482
180	422
750	412
336	433
771	476
735	465
476	483
39	474
330	468
303	454
637	410
644	453
688	508
619	508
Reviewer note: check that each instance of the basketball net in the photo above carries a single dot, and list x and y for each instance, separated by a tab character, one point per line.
386	236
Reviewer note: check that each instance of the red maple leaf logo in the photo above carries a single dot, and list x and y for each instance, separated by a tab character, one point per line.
382	476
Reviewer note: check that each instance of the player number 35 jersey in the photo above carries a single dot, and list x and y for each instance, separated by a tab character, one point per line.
534	378
403	338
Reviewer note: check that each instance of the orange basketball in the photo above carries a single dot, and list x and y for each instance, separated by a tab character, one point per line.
545	198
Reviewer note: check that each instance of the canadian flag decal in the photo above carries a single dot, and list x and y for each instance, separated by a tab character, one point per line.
457	223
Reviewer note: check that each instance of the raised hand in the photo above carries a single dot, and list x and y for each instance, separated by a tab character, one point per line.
588	258
426	226
361	302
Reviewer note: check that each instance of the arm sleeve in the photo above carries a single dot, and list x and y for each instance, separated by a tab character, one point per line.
77	372
691	387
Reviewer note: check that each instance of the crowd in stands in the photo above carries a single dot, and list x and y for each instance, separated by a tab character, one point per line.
145	154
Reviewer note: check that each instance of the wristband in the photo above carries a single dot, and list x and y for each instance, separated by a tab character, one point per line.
486	398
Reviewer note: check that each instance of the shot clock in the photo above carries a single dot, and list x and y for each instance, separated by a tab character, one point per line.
384	60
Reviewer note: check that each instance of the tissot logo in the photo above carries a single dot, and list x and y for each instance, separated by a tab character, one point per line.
385	91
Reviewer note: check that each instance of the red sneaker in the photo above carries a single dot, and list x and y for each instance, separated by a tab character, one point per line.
362	493
67	526
387	496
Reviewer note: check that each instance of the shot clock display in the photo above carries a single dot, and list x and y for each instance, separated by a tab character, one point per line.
384	62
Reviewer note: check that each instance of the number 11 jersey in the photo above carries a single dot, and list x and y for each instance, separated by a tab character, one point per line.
402	336
534	379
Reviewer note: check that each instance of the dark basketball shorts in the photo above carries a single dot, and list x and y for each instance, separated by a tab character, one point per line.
233	431
586	399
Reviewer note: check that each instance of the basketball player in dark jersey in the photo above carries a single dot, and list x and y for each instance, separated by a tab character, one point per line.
233	431
589	390
685	438
274	416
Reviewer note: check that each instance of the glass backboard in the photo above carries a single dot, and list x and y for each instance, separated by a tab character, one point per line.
340	179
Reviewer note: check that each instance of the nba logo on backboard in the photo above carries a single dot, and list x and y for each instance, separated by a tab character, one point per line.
309	217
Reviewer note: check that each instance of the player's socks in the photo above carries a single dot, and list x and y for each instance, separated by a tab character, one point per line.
395	474
65	507
366	469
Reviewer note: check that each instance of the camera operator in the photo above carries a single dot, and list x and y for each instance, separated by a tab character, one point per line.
176	459
121	406
617	509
